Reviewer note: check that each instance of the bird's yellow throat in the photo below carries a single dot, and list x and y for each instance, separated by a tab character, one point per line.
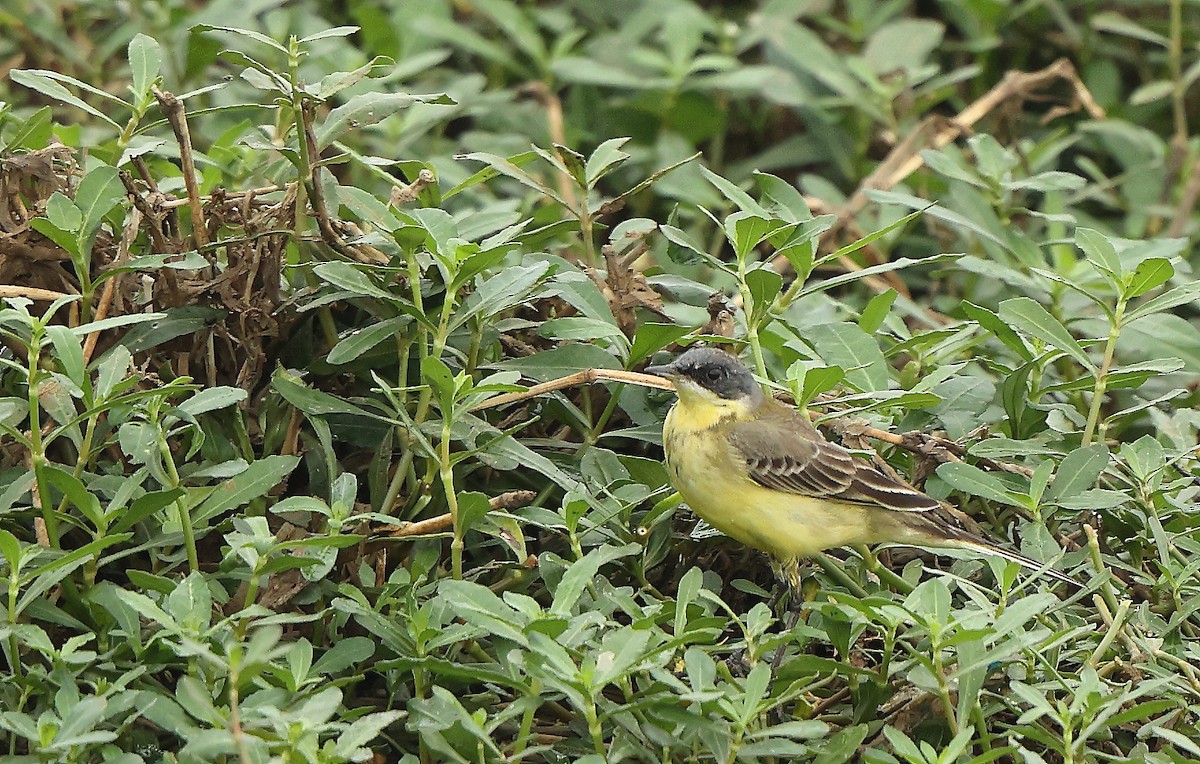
698	409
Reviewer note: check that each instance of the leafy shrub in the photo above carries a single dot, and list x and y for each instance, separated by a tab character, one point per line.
276	276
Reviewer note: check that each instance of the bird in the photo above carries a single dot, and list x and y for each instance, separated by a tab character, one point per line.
758	470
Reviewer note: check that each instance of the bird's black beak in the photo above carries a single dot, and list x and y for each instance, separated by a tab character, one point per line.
665	370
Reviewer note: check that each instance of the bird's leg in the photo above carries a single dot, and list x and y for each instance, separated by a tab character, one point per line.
788	573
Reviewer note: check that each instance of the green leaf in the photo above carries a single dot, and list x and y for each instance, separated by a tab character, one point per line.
604	159
1117	23
970	479
874	236
580	328
114	322
436	374
368	109
325	34
343	654
144	506
820	379
1101	253
76	493
315	402
681	248
651	337
999	329
479	606
874	270
736	195
876	311
1078	472
1172	298
848	346
1031	318
145	59
360	340
261	476
507	289
765	286
561	361
582	572
1151	273
63	213
191	603
511	167
212	399
44	82
33	134
178	321
10	548
336	82
786	201
258	37
746	231
98	192
69	352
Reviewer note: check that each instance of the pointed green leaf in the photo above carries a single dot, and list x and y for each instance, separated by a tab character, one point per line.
1030	317
970	479
1150	274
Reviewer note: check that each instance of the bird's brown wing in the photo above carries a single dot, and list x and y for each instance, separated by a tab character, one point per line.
785	452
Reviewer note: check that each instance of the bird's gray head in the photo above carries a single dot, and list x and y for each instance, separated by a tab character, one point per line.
713	372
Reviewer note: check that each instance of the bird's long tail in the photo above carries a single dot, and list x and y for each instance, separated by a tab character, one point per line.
1042	568
945	527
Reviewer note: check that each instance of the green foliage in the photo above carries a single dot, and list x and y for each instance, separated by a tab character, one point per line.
272	269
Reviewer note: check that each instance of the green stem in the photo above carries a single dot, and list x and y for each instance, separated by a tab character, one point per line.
939	671
523	734
1102	374
447	474
304	171
1175	61
37	448
751	311
605	415
185	517
14	647
585	231
594	729
872	564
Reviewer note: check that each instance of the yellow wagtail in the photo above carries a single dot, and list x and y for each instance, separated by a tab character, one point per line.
759	471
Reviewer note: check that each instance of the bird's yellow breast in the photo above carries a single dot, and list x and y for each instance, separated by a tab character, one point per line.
713	480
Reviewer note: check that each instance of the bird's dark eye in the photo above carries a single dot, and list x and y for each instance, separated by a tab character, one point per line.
713	373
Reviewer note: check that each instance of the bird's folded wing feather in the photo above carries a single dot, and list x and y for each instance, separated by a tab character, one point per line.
787	453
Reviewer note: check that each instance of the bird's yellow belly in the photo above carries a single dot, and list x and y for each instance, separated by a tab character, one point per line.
783	524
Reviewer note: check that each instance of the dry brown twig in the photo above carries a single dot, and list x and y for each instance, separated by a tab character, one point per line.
173	109
46	295
402	195
128	235
508	500
316	195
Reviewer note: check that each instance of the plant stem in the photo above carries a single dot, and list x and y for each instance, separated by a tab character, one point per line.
185	517
594	729
447	474
1102	374
939	671
37	449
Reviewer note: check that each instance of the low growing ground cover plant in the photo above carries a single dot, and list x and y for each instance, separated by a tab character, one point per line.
276	278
